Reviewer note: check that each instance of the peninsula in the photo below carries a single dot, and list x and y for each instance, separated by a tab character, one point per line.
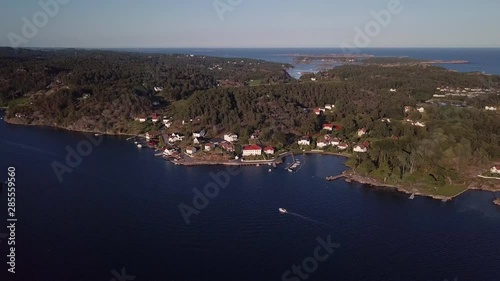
410	125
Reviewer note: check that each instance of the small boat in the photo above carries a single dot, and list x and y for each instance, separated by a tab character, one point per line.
139	145
270	170
97	135
283	211
412	196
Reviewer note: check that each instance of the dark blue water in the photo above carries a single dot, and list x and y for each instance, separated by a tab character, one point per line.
480	60
119	209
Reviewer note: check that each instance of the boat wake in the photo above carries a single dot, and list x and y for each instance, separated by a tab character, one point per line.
309	219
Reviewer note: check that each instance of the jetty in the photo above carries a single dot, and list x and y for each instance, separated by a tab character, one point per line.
334	178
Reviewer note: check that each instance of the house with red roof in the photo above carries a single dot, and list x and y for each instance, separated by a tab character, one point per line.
328	127
343	146
155	118
317	111
269	150
252	150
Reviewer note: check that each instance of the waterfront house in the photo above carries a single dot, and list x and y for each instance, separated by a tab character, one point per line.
269	150
328	127
495	169
304	141
361	132
200	134
343	146
191	150
335	142
231	137
152	135
360	149
209	146
227	146
252	150
322	143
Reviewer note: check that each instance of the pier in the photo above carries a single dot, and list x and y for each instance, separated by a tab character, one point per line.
334	178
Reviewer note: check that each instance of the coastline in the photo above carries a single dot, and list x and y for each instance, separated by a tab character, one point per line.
348	175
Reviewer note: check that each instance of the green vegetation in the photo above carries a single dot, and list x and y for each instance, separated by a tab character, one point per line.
105	91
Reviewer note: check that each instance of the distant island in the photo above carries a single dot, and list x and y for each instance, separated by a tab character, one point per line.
401	123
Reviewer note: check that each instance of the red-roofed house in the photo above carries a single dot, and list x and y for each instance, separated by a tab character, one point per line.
227	146
328	127
269	150
209	146
317	111
252	150
155	118
343	146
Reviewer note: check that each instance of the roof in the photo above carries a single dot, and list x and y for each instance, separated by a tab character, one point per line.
497	167
268	148
328	125
252	147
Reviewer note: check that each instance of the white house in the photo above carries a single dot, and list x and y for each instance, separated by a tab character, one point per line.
360	149
343	146
386	120
495	169
158	89
335	142
329	106
419	124
490	108
408	109
209	146
313	79
200	134
142	119
155	118
175	138
191	150
328	127
230	137
269	150
322	144
393	90
252	150
304	141
167	123
421	109
196	141
361	132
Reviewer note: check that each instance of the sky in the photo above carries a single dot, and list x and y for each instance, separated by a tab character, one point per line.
249	23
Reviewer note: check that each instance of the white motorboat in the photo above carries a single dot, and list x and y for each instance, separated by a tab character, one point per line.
283	211
139	145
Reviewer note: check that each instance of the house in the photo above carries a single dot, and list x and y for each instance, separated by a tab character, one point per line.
86	96
329	106
230	137
328	127
191	150
227	146
196	141
490	108
393	90
252	150
335	142
386	120
20	115
322	143
361	132
142	119
343	146
419	124
421	109
158	89
155	118
175	138
317	111
360	148
200	134
495	169
313	79
304	141
408	109
255	135
269	150
209	146
152	135
167	123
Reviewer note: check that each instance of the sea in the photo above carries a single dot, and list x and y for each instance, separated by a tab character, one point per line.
98	208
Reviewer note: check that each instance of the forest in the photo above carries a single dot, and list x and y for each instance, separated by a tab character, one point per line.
104	91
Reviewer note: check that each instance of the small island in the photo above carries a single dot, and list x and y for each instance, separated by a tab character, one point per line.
401	123
497	201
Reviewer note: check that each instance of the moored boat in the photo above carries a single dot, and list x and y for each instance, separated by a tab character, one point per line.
283	211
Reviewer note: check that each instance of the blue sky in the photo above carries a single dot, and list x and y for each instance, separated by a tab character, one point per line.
253	23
